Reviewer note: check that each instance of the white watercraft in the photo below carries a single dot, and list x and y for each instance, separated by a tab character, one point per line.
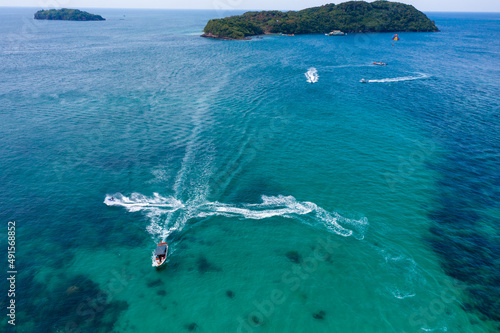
160	254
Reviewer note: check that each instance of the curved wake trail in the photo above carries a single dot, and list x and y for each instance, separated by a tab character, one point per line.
138	202
309	213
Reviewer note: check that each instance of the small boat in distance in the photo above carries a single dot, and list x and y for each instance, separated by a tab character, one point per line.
160	254
363	81
335	33
380	63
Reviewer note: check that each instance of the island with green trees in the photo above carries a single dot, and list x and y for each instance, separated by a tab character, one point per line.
67	14
352	16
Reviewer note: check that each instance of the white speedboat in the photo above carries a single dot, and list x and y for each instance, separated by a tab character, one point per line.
335	33
160	254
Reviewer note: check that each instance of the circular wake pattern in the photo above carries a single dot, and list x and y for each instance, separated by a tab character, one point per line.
312	75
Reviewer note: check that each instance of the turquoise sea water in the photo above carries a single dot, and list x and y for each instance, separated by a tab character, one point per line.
294	198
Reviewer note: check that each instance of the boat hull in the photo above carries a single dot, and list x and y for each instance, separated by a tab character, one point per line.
160	255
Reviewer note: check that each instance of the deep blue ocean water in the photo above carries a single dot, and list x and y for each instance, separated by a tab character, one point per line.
293	197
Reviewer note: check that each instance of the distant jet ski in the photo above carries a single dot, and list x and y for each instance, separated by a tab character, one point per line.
160	254
363	81
380	63
111	199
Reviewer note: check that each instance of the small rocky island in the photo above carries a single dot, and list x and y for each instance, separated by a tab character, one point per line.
352	16
67	15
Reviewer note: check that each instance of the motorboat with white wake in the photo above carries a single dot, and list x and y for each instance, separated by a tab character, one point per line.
160	254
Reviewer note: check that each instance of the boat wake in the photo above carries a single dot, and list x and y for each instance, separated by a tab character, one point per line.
159	208
312	75
399	79
192	187
137	202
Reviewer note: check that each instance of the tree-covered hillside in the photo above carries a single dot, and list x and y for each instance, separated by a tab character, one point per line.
67	14
352	16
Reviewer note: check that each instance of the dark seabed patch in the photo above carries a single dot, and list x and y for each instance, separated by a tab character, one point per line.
294	257
464	232
256	320
320	315
161	293
230	293
205	266
191	327
77	304
470	257
154	283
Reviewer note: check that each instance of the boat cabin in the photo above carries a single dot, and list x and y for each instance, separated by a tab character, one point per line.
161	251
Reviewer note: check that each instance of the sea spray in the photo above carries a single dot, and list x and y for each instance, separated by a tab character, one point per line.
312	75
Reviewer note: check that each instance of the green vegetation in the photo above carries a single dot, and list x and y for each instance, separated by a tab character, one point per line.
352	16
67	14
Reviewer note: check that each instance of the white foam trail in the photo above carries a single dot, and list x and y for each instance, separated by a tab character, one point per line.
154	207
400	294
270	207
405	269
398	79
157	207
137	202
312	75
191	164
153	259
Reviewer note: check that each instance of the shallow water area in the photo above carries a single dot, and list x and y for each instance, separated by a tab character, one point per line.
293	197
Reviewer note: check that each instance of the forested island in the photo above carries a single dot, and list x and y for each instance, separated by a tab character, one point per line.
352	16
67	14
